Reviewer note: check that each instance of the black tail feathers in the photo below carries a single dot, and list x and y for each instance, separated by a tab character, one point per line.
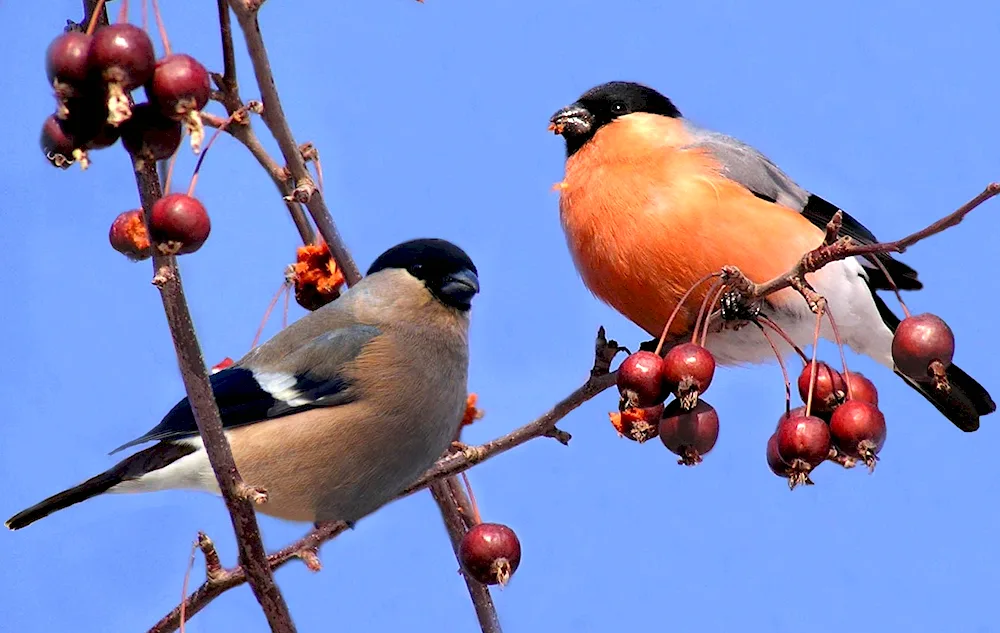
132	467
90	488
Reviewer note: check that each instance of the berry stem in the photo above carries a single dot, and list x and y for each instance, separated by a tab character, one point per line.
708	315
840	348
777	328
812	365
184	585
92	24
704	304
170	173
123	13
145	15
267	313
677	309
160	27
892	285
215	135
284	312
784	370
472	499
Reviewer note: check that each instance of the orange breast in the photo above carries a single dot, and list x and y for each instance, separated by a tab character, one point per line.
644	220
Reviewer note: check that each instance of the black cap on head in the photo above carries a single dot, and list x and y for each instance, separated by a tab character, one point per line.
597	107
445	269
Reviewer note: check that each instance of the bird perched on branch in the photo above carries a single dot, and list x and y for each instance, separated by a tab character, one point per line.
650	204
337	413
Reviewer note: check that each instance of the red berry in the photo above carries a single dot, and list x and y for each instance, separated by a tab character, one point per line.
640	380
919	341
179	224
774	461
180	84
858	430
803	442
490	553
128	235
122	56
857	387
637	424
59	144
825	390
150	136
687	371
689	433
66	64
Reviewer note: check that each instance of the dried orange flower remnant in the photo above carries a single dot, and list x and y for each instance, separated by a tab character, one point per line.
471	412
128	235
637	424
316	275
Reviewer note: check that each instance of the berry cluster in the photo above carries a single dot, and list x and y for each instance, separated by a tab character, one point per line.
93	75
687	425
839	421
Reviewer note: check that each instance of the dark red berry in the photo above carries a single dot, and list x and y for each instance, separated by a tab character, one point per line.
59	144
490	553
128	235
181	88
858	430
150	136
827	389
179	224
122	56
687	371
637	424
803	442
774	461
640	380
857	387
919	341
180	84
66	66
689	433
87	119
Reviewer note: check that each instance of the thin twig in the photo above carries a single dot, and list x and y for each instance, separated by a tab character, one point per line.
304	189
253	557
846	247
219	580
452	512
244	133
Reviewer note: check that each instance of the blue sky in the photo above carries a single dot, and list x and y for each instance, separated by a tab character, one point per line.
431	121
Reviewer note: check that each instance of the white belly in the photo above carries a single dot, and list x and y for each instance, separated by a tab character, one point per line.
849	300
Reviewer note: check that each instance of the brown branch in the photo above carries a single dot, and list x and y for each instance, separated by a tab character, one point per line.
220	580
304	190
844	247
235	492
453	511
229	96
599	380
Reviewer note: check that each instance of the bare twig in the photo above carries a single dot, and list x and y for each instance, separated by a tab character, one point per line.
206	414
834	250
220	580
229	95
304	189
454	512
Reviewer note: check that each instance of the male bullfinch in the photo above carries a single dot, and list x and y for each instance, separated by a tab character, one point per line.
651	203
337	413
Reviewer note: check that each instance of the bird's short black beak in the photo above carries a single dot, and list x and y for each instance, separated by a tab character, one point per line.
573	120
460	288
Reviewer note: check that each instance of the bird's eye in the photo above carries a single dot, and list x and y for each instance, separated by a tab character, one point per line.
416	268
618	108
